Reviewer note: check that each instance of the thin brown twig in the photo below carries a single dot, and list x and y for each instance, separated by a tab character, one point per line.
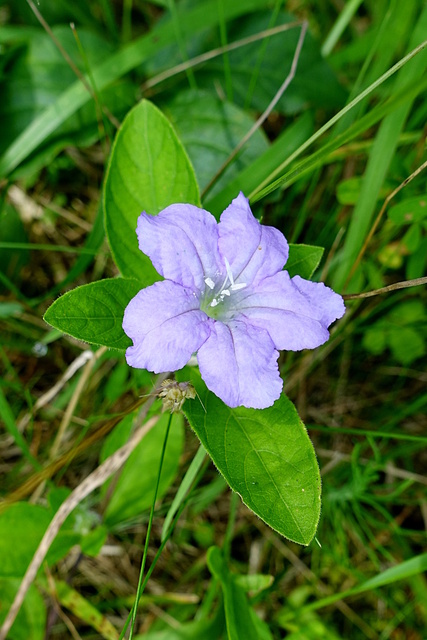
92	482
416	282
214	53
266	113
379	218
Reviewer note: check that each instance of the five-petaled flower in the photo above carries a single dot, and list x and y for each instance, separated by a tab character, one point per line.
226	297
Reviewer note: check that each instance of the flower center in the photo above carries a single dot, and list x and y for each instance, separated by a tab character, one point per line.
216	299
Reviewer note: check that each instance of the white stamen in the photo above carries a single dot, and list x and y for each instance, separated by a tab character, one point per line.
210	283
225	293
214	303
236	287
230	275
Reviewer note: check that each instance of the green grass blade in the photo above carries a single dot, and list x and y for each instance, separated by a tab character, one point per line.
340	25
379	162
184	487
402	571
267	186
8	418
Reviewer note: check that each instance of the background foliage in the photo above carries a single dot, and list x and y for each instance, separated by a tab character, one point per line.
362	395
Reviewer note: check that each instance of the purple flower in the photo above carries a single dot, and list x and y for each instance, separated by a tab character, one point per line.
226	298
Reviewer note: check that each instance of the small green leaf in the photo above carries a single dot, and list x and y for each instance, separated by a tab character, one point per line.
412	238
255	581
406	344
265	456
31	619
375	340
133	493
22	526
148	170
409	210
241	619
94	312
303	260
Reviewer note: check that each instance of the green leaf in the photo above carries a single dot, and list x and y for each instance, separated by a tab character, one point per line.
409	210
263	168
94	312
374	340
22	527
255	581
148	170
303	260
133	493
31	619
38	77
210	129
412	238
265	456
241	619
406	344
115	66
314	82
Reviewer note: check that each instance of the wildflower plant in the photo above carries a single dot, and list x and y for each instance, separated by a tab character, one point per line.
213	302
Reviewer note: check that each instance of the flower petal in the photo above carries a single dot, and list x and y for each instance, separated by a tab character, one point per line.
238	362
182	243
254	251
166	326
295	312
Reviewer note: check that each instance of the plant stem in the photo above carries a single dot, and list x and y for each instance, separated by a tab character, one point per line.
147	538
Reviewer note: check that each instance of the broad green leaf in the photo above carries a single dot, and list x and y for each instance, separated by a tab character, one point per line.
265	456
314	81
134	491
94	312
22	527
148	170
241	619
93	541
84	610
58	12
409	211
210	129
115	66
31	619
264	167
303	260
38	77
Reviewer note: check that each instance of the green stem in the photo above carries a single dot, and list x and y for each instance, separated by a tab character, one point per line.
141	585
226	546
